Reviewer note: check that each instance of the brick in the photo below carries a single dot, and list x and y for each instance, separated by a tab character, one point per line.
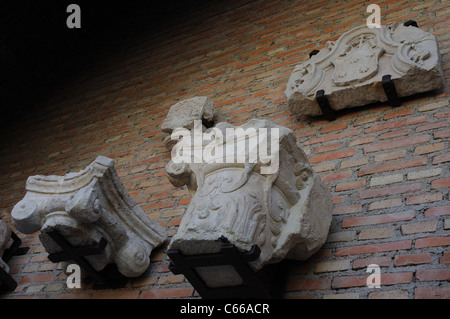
349	295
373	248
420	227
423	198
447	224
333	128
394	134
308	284
437	211
365	262
345	186
402	142
376	233
445	259
432	242
432	293
432	106
398	113
324	167
431	126
424	174
430	148
327	148
362	140
330	266
432	274
413	259
332	137
392	190
441	158
331	156
341	236
115	294
441	134
378	219
383	204
329	177
359	281
164	293
392	166
387	179
350	209
396	124
383	157
441	183
389	294
353	162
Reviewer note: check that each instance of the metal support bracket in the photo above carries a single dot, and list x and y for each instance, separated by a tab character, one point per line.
325	106
390	91
77	254
13	250
229	255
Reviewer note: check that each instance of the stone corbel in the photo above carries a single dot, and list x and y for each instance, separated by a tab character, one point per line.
85	207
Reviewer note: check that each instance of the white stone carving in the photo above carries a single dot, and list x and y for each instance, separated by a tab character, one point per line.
184	113
350	70
5	236
86	206
287	213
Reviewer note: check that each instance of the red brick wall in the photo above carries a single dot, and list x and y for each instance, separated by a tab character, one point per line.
387	168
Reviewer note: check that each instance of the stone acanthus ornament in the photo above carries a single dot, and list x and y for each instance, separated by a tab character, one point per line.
86	206
287	213
5	238
184	113
350	70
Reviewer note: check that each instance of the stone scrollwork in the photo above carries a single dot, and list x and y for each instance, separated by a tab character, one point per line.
85	207
350	70
5	237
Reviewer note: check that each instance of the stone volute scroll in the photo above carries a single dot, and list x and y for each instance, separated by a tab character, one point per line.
88	207
278	203
353	70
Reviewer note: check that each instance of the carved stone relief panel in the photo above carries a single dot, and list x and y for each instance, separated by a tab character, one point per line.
286	211
86	206
350	70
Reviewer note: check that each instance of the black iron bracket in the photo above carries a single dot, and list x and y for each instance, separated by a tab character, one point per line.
390	91
228	255
13	250
325	106
77	254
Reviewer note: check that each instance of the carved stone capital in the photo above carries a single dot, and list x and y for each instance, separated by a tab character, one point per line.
286	212
86	206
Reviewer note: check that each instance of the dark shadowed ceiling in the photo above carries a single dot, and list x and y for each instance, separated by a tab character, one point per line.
37	48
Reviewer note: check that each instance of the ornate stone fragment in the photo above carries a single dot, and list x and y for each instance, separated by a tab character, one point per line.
350	70
184	113
5	236
86	206
286	211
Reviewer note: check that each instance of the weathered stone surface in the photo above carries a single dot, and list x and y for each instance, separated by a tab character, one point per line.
88	205
183	113
350	70
5	236
286	212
